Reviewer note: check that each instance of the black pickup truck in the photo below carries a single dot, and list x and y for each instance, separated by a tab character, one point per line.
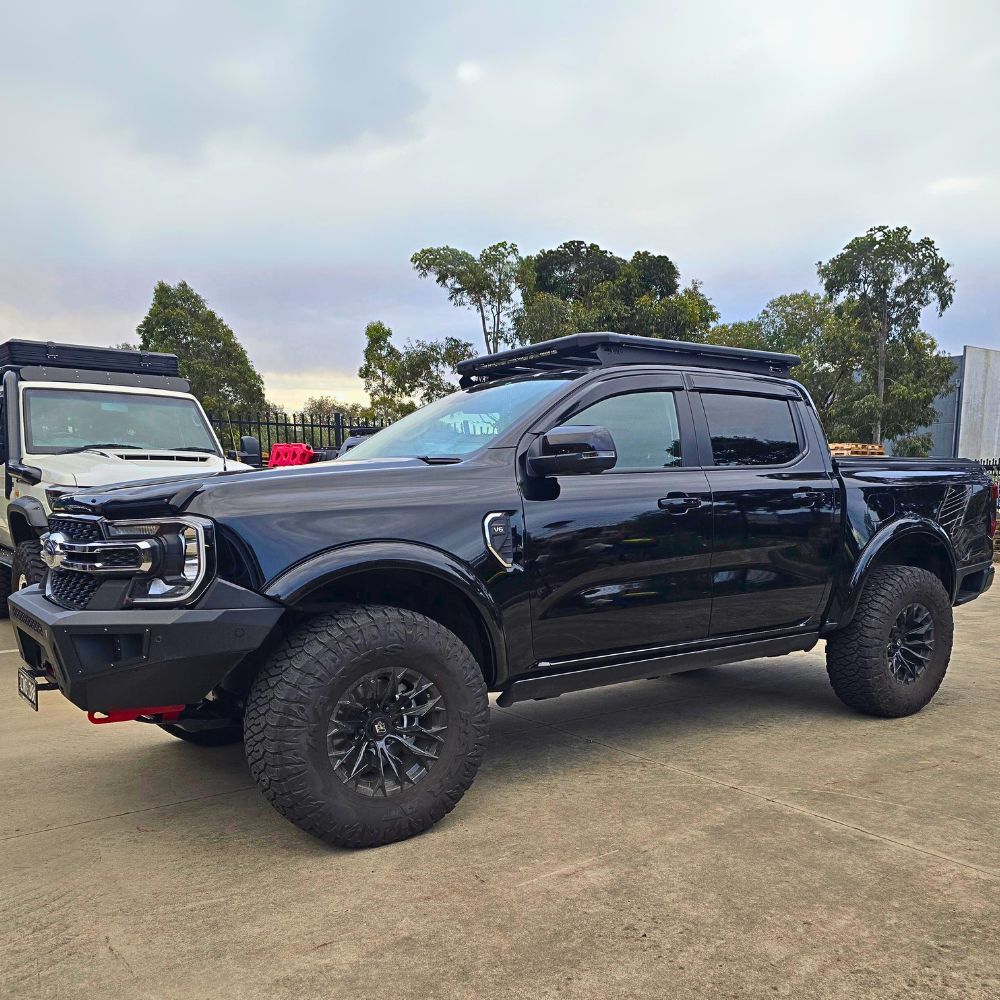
595	509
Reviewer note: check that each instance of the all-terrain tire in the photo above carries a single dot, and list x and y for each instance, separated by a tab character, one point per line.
295	695
221	737
6	589
858	659
28	567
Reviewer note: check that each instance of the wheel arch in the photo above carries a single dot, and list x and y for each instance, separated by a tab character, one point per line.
916	542
26	520
405	575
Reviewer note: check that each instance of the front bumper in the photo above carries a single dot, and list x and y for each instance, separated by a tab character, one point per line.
113	660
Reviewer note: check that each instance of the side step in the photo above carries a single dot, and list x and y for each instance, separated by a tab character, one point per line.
553	683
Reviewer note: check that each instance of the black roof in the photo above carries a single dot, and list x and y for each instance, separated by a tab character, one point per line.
603	350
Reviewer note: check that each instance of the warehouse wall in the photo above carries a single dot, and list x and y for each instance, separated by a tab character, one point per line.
979	421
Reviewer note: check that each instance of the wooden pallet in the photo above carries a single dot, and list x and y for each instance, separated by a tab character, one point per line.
855	450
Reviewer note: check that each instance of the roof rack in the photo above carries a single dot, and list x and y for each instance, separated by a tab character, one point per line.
603	350
22	353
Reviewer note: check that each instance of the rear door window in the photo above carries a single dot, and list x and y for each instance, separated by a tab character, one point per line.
750	430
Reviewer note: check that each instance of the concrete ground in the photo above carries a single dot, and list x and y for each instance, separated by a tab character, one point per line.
730	833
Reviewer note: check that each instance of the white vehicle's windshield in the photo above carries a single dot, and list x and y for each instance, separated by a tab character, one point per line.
459	424
59	421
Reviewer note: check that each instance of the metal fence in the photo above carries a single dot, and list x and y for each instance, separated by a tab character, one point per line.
992	467
321	433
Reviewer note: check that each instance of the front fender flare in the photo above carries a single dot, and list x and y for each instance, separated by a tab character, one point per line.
31	510
892	533
293	585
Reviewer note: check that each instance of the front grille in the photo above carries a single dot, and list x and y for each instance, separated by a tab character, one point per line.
76	529
120	558
71	589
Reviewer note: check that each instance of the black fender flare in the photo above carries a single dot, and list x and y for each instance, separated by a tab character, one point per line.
293	585
31	510
889	535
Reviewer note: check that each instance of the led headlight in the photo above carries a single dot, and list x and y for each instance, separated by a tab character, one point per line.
183	548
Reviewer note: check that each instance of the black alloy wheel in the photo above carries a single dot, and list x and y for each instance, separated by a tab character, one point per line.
911	643
386	731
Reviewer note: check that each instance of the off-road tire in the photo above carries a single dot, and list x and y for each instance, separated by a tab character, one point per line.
6	589
290	706
27	563
221	737
857	659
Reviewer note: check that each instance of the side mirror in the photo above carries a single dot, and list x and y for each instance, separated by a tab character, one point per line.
250	450
572	450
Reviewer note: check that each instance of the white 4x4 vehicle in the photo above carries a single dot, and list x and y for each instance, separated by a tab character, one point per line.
74	418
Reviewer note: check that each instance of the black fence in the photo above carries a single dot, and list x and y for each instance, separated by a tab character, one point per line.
992	467
322	433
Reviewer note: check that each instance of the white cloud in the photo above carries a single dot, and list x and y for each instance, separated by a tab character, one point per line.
469	72
956	185
745	141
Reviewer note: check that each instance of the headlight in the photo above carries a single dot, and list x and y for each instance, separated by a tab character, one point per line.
53	493
183	553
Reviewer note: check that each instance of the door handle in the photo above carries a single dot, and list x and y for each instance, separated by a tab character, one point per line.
810	496
678	503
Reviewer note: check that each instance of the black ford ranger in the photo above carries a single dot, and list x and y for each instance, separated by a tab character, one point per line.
595	509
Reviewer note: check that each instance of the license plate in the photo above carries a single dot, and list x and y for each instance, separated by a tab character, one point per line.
27	687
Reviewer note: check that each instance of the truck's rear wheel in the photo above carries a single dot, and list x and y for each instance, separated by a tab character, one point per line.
367	725
28	567
891	659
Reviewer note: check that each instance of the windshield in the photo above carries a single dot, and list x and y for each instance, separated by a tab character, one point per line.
58	421
459	424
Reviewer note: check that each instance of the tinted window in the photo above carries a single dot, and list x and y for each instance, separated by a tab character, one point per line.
644	426
750	430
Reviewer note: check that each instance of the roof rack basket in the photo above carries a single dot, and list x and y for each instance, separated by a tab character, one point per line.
603	350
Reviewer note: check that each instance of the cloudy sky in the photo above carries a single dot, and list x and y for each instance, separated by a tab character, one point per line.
287	158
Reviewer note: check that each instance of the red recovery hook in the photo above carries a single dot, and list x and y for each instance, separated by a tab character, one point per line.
170	713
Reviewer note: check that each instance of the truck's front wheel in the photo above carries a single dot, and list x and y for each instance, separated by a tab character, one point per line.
891	659
27	567
367	725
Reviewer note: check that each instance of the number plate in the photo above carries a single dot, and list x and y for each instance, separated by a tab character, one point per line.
27	687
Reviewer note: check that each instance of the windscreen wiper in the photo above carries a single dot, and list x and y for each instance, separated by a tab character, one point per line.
97	447
439	459
192	447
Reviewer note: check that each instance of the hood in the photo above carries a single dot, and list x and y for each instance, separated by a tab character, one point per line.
88	469
171	495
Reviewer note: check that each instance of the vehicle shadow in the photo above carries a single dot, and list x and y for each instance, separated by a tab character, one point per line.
565	736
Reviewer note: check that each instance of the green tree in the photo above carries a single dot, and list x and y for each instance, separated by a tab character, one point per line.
211	358
887	279
326	407
398	380
486	283
839	368
581	286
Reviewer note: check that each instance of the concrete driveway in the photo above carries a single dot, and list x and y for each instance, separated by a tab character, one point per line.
730	833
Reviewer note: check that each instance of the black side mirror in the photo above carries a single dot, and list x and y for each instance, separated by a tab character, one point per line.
572	450
250	450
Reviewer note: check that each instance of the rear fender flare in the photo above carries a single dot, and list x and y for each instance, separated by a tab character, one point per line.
909	527
293	586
